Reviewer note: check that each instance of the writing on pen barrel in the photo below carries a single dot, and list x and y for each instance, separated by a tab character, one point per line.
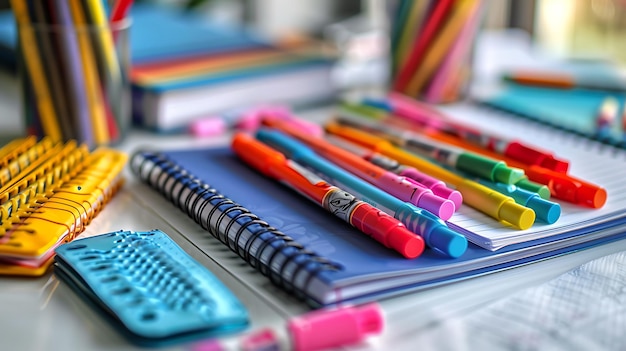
437	186
401	187
472	163
313	331
380	226
433	229
491	202
426	116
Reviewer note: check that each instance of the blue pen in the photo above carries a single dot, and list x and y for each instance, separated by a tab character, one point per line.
435	232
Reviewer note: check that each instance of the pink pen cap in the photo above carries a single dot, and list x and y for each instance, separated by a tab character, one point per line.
324	329
438	187
425	198
210	126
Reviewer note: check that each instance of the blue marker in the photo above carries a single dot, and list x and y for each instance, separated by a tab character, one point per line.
545	210
435	232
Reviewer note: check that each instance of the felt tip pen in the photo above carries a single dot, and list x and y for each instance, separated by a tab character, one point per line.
433	229
424	115
371	221
480	197
437	186
318	330
401	187
455	157
560	80
561	185
545	210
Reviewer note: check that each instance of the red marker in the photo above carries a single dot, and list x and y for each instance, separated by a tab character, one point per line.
371	221
410	109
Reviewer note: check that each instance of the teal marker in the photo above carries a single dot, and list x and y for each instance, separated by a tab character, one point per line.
433	230
534	187
450	156
545	210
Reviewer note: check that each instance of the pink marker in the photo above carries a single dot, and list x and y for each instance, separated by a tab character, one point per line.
314	331
437	186
244	119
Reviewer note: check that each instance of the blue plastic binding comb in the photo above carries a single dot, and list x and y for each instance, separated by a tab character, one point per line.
156	292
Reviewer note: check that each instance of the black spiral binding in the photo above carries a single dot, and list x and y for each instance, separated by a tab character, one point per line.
172	181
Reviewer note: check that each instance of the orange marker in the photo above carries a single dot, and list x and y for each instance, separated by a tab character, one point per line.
371	221
401	187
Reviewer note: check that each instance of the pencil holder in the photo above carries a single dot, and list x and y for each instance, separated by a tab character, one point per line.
431	47
73	66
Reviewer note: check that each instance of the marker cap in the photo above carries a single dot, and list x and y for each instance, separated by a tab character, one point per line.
507	175
516	214
534	187
546	211
450	194
555	164
387	230
324	329
404	241
448	241
208	127
591	195
443	208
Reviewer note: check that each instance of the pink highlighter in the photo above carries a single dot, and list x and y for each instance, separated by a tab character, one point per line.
314	331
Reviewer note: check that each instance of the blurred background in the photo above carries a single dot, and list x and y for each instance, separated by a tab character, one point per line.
589	29
566	27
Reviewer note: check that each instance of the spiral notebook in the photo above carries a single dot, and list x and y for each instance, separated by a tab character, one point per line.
325	261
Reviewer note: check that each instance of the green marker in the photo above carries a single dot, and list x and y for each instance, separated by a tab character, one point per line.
449	156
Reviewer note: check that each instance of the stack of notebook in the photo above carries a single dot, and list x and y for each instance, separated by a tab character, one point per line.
186	66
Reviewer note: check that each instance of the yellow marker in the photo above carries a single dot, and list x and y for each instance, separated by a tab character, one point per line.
33	58
94	92
441	44
480	197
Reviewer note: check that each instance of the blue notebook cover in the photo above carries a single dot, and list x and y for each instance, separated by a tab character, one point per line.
368	271
574	110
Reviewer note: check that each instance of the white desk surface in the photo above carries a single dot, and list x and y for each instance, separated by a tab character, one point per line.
44	314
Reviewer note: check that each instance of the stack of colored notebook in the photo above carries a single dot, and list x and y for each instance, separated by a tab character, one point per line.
185	67
48	194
